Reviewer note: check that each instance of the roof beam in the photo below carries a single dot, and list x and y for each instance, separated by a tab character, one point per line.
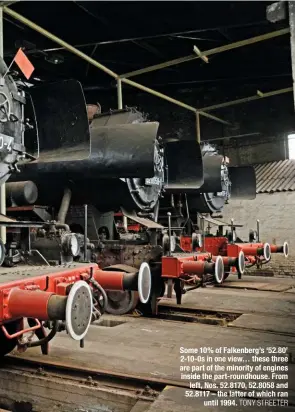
59	41
257	96
100	66
237	136
226	47
156	36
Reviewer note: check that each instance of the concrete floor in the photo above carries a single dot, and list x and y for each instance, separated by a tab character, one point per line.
251	295
150	348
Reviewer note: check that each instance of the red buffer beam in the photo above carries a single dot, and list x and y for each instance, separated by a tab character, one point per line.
45	296
191	268
60	294
250	249
217	246
221	246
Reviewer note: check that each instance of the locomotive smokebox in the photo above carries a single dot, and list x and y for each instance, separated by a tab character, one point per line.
21	193
185	166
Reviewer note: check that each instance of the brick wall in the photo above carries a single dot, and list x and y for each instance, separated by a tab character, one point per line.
277	223
257	150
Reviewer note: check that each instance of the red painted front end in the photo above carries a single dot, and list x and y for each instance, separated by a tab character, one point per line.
175	267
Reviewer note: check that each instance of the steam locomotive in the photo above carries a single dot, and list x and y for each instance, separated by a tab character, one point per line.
40	298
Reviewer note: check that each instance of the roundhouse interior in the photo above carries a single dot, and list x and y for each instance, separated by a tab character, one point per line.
147	188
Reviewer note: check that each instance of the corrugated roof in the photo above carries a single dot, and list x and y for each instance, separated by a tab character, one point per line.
275	176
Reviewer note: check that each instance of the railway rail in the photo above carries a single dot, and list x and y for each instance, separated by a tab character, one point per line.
38	390
44	383
103	388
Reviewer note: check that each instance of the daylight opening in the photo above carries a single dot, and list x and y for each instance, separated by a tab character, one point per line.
291	146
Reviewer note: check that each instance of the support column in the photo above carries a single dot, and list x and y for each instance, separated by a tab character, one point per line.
198	127
2	187
292	40
119	94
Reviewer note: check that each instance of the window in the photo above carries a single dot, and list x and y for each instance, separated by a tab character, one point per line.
291	146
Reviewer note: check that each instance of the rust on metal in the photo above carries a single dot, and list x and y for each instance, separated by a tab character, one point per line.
92	110
143	221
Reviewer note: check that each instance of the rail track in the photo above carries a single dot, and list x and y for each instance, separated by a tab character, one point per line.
103	389
90	375
28	385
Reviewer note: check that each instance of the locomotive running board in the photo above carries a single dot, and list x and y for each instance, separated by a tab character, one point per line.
142	221
39	211
185	161
7	221
4	218
219	222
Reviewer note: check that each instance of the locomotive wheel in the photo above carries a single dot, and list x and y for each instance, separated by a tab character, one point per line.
121	302
3	252
7	345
